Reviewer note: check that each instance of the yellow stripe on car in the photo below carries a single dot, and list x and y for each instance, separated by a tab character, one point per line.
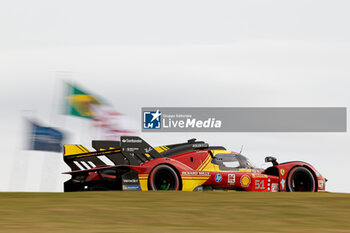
143	179
190	182
204	162
74	149
159	149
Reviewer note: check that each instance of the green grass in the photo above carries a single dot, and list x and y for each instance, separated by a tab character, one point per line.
174	212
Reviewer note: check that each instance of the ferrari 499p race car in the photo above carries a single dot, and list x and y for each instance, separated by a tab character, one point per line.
132	164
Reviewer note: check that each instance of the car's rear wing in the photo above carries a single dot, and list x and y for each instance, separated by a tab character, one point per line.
130	150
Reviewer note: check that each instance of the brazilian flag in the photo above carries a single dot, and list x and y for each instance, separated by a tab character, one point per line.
80	103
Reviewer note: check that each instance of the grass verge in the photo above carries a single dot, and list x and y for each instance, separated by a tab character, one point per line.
174	211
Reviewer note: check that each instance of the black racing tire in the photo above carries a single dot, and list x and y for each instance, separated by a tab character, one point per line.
300	179
164	177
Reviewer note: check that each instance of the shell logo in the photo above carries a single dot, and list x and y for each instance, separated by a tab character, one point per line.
245	181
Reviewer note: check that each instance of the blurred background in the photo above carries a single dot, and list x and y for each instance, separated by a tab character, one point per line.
120	56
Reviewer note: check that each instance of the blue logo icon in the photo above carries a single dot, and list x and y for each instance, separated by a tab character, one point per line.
131	187
218	178
152	119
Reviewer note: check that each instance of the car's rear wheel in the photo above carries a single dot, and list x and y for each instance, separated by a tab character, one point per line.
164	177
300	179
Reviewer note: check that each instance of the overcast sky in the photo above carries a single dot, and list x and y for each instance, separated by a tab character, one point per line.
181	53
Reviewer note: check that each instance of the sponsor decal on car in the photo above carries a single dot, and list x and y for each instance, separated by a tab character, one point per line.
320	184
149	149
131	187
218	178
274	187
131	140
245	181
195	173
231	179
283	182
132	149
200	145
130	180
259	176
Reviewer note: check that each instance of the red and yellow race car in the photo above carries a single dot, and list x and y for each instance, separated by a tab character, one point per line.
132	164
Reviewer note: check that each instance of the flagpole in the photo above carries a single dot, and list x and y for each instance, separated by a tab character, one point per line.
47	168
64	108
51	164
20	162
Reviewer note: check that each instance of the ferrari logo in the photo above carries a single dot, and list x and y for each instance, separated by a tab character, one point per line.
282	172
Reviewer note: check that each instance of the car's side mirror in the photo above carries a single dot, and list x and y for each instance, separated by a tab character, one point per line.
271	159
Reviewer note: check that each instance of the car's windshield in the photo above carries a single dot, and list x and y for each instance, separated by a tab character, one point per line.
232	161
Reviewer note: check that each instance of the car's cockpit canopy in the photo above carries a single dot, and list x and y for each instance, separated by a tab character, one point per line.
232	161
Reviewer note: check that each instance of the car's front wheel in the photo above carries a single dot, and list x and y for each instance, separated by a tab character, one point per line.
164	177
300	179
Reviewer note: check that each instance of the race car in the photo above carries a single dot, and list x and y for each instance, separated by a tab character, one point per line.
132	164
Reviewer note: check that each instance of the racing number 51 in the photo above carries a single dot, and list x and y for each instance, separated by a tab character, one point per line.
259	184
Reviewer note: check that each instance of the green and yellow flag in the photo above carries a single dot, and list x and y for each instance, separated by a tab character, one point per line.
80	103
